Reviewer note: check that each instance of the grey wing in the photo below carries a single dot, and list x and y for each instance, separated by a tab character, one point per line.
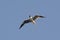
37	16
26	21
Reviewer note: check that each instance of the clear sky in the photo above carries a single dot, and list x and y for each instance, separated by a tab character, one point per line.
14	12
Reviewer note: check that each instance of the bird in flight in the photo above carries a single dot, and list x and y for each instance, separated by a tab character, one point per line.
31	19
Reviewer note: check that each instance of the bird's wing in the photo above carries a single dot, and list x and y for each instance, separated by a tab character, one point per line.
37	16
26	21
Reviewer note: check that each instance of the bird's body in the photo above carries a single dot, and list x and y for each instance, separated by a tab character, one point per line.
31	19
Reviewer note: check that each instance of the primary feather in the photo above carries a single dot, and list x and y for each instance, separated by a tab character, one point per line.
26	21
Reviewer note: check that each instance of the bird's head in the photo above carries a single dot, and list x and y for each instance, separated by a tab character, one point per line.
30	16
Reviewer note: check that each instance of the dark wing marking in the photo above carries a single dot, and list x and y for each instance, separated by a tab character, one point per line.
37	16
41	16
26	21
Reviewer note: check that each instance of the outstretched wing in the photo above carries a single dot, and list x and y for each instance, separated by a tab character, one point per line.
37	16
26	21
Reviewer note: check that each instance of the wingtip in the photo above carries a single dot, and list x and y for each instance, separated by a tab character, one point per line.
19	27
42	16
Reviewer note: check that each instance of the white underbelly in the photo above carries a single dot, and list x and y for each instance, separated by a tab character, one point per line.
34	22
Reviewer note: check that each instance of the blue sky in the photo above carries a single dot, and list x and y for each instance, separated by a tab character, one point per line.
14	12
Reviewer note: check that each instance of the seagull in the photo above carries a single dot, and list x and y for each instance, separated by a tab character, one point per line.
31	19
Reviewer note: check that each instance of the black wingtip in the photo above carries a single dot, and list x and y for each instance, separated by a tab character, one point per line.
42	16
20	27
